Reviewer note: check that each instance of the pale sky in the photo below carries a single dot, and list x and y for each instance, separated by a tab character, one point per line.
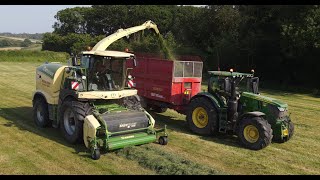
29	18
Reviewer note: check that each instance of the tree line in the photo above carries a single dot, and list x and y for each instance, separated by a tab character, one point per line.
281	42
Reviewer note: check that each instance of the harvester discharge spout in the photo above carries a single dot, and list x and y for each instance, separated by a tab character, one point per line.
104	43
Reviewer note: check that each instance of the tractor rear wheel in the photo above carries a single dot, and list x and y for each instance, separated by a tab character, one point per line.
72	115
255	133
202	116
40	113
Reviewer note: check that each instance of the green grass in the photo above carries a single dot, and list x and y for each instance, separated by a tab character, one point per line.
27	149
33	55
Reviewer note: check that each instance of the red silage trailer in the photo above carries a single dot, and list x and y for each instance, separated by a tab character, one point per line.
163	83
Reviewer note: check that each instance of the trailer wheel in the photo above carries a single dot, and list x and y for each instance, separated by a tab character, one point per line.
202	116
255	133
95	155
40	113
72	114
163	140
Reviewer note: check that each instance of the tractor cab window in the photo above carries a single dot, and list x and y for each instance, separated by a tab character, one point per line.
106	73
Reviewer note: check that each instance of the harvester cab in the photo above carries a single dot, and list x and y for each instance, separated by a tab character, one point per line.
90	102
234	105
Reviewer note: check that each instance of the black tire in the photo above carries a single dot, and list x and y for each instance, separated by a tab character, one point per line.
41	113
163	140
72	114
211	127
95	155
259	124
291	130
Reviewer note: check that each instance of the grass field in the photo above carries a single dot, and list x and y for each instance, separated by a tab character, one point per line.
27	149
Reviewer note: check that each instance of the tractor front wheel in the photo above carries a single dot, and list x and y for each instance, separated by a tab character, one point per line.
291	130
202	116
72	115
255	133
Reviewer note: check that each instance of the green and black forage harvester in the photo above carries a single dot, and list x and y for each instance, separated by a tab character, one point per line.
233	105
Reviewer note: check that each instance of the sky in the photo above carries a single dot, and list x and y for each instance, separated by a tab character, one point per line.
29	18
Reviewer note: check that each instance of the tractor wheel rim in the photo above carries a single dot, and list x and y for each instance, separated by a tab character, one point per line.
40	114
69	121
251	133
200	117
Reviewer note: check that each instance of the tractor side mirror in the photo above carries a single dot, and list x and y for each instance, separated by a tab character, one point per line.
67	70
254	85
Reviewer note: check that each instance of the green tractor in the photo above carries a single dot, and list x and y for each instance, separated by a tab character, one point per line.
233	105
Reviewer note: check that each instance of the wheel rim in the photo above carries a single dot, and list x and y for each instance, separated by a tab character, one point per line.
200	117
40	116
251	133
69	121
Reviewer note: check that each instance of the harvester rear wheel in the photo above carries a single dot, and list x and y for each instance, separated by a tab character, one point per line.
40	113
255	133
202	116
72	114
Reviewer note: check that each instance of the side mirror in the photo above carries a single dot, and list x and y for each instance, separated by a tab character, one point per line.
74	61
67	70
254	85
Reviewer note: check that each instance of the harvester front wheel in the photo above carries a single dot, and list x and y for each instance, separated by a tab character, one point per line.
40	113
202	116
255	133
72	115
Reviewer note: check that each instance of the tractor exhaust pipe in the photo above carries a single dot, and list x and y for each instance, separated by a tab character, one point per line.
233	103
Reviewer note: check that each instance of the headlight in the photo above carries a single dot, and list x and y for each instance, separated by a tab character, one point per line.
281	109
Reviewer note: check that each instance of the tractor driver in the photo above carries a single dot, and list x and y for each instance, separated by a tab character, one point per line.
102	75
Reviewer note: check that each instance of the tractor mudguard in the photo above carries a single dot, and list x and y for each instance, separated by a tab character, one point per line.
209	96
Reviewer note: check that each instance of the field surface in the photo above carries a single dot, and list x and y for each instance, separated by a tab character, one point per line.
27	149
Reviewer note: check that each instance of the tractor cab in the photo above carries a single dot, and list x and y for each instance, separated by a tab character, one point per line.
227	84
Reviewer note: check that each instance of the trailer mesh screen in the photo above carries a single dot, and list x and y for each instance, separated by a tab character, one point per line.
187	69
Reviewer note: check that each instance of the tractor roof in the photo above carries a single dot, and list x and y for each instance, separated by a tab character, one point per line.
109	53
226	73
